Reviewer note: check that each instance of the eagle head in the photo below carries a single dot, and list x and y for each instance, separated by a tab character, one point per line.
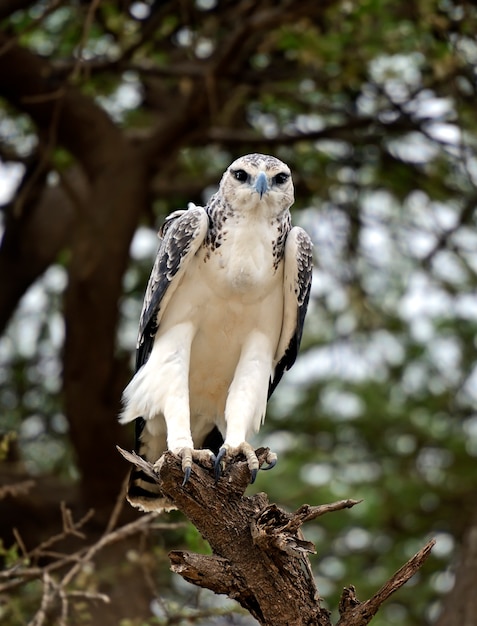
258	182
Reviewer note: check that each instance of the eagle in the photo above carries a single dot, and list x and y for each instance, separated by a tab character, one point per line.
222	320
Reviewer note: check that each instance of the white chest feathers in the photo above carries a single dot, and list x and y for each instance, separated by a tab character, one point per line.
245	264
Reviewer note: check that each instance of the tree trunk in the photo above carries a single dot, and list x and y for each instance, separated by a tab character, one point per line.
460	607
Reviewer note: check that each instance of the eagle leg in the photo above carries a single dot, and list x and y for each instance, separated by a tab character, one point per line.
188	455
271	459
227	451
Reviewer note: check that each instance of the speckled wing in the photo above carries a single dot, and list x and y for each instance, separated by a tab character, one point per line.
296	292
181	236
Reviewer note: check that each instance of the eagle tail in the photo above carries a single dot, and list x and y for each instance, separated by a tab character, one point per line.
144	492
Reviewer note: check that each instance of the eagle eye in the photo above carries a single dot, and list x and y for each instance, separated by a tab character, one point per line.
281	178
240	175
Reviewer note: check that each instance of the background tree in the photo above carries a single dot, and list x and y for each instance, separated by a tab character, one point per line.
115	113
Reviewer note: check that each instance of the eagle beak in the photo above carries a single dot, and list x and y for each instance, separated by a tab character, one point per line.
261	184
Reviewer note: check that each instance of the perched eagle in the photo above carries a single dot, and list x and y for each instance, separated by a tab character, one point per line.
222	319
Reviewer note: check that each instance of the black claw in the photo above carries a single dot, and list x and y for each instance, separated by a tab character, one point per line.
270	465
254	473
217	464
187	472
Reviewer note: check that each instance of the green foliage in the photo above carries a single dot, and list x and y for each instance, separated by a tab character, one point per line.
9	555
5	443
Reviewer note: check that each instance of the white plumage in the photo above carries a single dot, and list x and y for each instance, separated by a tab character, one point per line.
222	319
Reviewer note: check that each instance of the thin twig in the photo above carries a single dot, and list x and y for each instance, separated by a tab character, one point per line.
17	489
21	545
84	38
125	531
118	507
306	513
89	595
64	606
46	599
74	529
17	575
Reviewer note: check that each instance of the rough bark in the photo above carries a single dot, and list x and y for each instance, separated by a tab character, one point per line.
93	375
260	557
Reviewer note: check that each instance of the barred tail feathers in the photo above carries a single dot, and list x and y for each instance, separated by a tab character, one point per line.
143	491
145	494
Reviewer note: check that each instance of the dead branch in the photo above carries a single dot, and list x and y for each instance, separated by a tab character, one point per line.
59	576
22	572
17	489
46	600
260	557
355	613
274	585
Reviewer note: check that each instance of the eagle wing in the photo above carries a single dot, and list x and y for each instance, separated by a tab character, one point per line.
181	236
296	290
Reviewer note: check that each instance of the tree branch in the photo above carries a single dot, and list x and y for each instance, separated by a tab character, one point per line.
260	557
355	613
275	587
66	116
